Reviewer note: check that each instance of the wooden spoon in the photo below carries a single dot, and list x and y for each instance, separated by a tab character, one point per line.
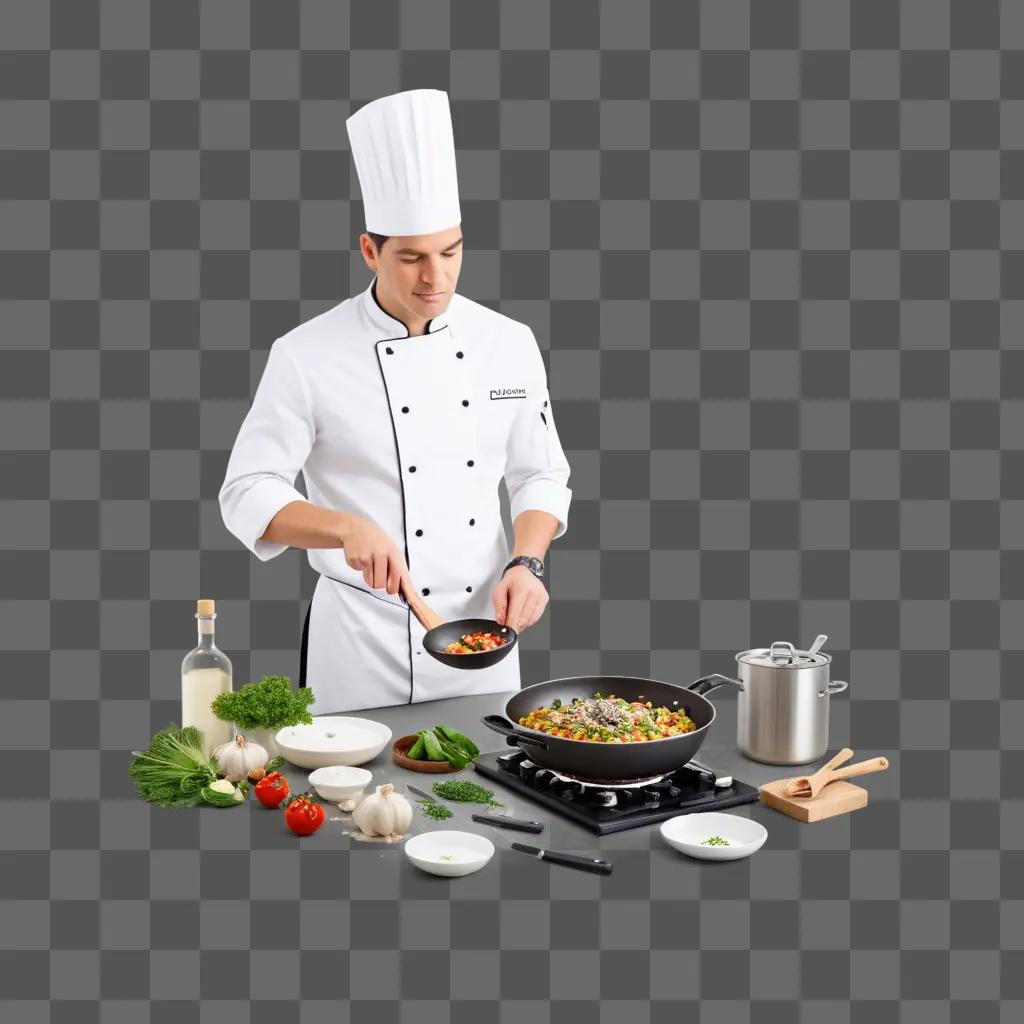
427	616
807	781
817	782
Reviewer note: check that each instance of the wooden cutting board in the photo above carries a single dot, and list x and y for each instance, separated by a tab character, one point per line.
836	798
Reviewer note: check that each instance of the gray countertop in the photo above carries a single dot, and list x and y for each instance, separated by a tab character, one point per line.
464	714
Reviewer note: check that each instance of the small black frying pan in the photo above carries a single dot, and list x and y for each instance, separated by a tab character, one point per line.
440	634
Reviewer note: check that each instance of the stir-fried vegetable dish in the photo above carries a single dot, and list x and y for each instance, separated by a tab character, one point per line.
608	720
474	643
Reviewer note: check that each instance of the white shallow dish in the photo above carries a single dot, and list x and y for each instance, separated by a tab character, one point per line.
332	740
467	852
338	782
685	832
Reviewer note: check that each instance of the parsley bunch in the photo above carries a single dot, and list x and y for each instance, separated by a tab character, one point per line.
269	704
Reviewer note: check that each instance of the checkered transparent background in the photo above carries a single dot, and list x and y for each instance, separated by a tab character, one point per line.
774	251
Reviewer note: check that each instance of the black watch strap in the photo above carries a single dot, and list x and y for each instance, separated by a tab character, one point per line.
535	565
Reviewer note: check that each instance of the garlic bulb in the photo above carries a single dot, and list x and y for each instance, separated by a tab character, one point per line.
383	813
237	758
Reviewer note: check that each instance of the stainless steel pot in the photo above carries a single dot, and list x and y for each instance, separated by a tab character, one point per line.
782	712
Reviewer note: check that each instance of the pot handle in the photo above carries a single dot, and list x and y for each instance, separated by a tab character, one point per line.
835	686
702	686
513	737
791	656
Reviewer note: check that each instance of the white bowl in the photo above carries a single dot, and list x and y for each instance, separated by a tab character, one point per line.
685	832
449	853
332	740
338	782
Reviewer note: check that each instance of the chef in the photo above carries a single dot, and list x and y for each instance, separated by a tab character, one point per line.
403	408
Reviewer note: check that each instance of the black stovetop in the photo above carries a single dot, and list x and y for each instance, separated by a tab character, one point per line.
613	809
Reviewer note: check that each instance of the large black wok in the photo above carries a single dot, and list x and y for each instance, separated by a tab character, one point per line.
589	760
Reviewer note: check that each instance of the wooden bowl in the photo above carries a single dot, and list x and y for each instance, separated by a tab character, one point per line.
401	748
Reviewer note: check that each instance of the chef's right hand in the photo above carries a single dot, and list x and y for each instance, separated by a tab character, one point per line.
372	552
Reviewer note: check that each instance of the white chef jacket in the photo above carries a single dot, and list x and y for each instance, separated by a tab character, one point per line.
415	434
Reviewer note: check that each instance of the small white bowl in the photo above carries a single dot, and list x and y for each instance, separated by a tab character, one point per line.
338	782
450	854
685	832
332	740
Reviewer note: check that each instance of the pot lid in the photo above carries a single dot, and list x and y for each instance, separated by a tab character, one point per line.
782	654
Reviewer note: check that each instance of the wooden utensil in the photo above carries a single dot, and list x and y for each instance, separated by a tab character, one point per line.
811	787
837	798
429	619
832	796
802	782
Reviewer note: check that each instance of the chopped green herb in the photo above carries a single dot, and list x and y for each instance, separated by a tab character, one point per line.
433	810
715	841
462	791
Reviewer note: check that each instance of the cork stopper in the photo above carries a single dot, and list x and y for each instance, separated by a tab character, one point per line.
204	607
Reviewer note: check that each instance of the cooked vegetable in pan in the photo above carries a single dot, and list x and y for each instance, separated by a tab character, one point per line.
474	643
608	719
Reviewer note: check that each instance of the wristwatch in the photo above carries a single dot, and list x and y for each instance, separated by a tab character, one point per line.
535	565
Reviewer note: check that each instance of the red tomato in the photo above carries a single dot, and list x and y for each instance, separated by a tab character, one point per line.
272	790
303	815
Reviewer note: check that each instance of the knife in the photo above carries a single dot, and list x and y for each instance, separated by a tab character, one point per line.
500	820
569	860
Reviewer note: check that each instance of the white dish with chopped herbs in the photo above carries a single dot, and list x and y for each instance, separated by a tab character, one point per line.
714	835
449	854
333	740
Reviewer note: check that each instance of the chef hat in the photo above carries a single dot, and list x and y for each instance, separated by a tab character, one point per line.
404	153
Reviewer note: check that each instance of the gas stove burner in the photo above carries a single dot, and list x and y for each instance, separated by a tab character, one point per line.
610	805
587	783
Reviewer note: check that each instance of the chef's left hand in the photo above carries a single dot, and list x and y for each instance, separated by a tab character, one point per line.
519	599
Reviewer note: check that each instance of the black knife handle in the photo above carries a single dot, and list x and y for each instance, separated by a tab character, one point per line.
569	860
519	824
